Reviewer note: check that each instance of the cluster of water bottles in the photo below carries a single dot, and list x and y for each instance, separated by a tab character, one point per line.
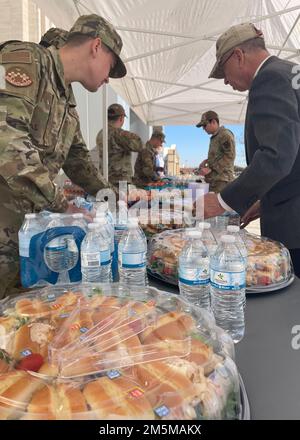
212	275
114	249
111	250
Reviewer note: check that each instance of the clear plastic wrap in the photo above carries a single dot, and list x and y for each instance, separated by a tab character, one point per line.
110	352
268	263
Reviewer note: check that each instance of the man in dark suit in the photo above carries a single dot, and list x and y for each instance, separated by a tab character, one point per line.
269	187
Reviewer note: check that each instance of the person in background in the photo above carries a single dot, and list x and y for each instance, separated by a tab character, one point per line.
39	126
218	168
269	187
121	143
145	165
160	162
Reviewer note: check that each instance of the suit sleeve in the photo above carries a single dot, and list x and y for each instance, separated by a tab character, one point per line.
80	169
273	112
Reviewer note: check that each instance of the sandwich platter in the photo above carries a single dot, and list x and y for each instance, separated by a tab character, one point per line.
109	352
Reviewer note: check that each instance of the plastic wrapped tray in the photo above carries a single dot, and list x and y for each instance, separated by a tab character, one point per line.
269	264
119	353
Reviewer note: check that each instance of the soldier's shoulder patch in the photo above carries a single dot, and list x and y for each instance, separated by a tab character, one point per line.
18	77
19	56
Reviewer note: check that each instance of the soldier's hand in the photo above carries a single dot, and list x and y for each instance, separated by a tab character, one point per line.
252	214
204	171
72	209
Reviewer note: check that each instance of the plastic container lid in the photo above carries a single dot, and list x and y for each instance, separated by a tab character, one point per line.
227	239
233	228
204	225
193	233
93	226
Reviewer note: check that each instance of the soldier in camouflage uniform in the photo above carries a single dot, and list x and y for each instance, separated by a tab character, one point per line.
218	168
145	165
40	131
121	144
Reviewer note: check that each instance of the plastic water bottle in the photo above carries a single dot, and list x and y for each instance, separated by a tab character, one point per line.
239	242
103	208
91	247
194	271
120	227
30	227
208	237
121	221
56	250
104	237
132	255
227	287
110	229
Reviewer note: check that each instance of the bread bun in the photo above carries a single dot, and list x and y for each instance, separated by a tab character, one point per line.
120	398
172	325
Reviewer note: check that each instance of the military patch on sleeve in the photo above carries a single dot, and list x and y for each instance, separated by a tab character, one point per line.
17	76
22	56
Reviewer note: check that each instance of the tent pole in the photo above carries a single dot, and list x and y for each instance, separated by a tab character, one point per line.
76	4
105	132
288	35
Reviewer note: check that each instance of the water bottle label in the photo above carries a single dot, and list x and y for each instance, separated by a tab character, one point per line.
228	280
194	277
133	260
120	227
24	244
91	259
105	257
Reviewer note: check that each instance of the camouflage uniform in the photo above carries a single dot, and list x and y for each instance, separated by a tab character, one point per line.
120	145
221	155
144	170
40	134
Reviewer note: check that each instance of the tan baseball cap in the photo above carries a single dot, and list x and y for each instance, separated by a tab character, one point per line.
159	135
228	41
206	117
116	110
95	26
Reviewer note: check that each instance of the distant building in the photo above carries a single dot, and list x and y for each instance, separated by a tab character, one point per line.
172	161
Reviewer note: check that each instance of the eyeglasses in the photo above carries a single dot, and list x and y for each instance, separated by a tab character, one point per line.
227	58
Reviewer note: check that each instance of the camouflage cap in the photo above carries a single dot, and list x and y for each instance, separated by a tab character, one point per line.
228	41
95	26
207	117
54	37
116	110
159	135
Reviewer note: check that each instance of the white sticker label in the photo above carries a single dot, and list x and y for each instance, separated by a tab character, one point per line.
90	260
228	280
133	260
194	277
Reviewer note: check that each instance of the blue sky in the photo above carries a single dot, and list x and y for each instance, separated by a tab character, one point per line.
192	143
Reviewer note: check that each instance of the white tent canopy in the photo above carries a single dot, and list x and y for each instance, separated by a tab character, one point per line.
169	50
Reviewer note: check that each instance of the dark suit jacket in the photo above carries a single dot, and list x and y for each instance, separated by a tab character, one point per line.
272	141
